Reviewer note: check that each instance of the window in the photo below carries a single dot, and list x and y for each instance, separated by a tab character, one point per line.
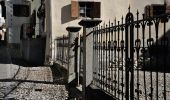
3	10
21	10
85	9
155	10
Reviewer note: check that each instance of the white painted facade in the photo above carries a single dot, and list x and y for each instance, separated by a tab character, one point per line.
14	23
58	15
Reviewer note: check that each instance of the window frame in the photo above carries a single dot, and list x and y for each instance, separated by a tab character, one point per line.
93	11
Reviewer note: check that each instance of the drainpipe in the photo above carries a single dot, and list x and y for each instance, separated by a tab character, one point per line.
73	70
87	24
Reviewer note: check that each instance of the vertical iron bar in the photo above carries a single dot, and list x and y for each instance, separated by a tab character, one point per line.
137	51
122	57
118	49
132	60
164	59
150	43
98	53
112	57
127	62
129	55
102	39
115	61
100	57
144	57
106	49
109	45
156	29
104	55
62	58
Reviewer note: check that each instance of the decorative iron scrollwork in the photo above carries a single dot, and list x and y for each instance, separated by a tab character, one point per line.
137	44
164	19
149	23
122	44
109	45
104	45
115	44
137	25
150	42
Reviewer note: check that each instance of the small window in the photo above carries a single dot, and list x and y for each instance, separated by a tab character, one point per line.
3	10
85	9
154	10
21	10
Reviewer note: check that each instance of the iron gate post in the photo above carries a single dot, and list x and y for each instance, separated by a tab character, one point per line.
72	66
87	24
129	55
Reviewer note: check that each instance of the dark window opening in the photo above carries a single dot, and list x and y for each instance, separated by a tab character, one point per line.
21	10
2	3
155	10
158	10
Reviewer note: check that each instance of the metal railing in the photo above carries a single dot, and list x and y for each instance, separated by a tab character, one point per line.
131	58
61	50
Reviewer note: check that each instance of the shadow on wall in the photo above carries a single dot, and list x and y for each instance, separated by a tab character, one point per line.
66	14
159	55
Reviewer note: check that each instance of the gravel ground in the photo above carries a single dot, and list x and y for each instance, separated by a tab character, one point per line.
33	90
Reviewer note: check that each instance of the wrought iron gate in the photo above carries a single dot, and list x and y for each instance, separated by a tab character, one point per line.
131	59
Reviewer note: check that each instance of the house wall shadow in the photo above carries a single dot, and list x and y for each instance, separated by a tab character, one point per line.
66	14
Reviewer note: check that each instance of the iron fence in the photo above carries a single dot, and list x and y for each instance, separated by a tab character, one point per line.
131	57
61	50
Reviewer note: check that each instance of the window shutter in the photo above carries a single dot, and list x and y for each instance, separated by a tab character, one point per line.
95	11
74	9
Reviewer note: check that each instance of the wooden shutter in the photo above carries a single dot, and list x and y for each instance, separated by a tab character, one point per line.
74	9
95	11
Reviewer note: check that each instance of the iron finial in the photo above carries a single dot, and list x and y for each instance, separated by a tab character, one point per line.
122	19
137	12
129	8
109	22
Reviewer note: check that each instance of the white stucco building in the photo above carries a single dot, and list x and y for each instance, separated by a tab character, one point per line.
61	14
